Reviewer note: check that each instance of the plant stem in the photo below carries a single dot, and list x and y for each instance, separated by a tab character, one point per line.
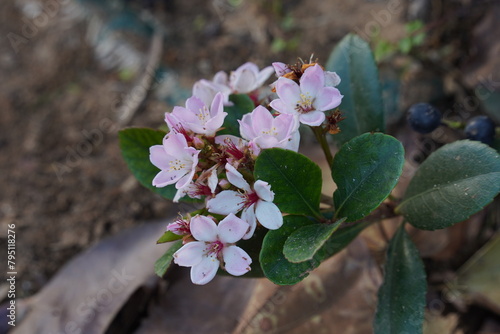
321	138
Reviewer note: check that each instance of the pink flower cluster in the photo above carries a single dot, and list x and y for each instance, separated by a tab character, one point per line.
219	168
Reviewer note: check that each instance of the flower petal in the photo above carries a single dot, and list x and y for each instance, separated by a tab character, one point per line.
236	260
268	215
328	98
231	229
236	178
203	228
167	177
263	190
205	271
281	107
248	215
158	157
331	79
263	75
190	254
312	81
288	91
313	118
226	202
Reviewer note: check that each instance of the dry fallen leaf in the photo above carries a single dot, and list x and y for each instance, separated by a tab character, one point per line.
87	293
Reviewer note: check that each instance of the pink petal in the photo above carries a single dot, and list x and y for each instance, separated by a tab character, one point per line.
195	104
268	215
226	202
267	142
175	144
293	143
263	190
288	91
158	157
231	229
190	254
220	78
281	69
203	228
331	79
244	81
236	178
262	120
184	181
312	81
205	271
166	177
328	98
246	129
236	260
313	118
264	75
248	215
281	107
213	180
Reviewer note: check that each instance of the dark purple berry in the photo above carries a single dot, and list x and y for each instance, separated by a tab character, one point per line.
423	117
480	128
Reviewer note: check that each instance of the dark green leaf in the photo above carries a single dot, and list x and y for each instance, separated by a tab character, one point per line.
401	298
135	144
340	240
242	104
168	236
294	178
303	244
365	169
454	182
162	264
274	264
362	104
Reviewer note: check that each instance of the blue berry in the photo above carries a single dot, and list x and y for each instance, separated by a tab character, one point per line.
423	117
480	128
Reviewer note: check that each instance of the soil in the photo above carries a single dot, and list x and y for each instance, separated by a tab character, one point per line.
64	183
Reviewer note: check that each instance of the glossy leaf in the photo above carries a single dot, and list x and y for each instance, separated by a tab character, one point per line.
303	244
295	180
242	104
401	298
135	144
454	182
362	104
274	264
365	169
168	236
163	263
340	240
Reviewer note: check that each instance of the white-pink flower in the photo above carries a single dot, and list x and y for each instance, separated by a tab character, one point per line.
215	243
263	130
196	116
247	78
206	90
204	185
176	160
255	204
308	100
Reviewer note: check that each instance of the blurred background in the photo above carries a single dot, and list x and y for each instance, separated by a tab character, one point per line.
74	72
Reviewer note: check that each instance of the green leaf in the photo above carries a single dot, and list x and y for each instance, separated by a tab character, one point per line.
162	264
362	104
340	240
405	45
135	144
274	264
454	182
365	169
167	237
303	244
401	298
295	180
242	104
